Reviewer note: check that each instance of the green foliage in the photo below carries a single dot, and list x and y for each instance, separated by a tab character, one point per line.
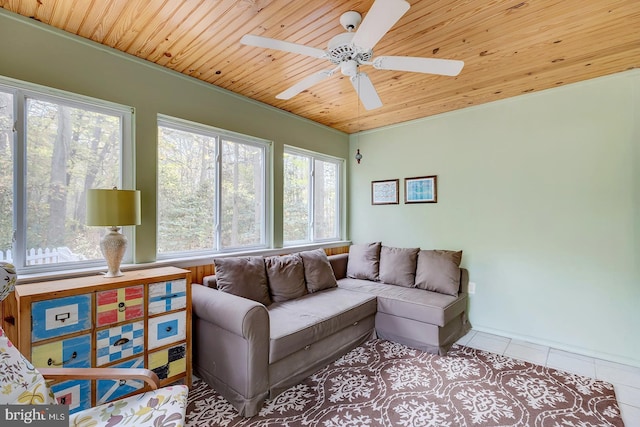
68	150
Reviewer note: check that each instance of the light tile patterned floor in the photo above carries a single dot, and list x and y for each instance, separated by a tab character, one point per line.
625	379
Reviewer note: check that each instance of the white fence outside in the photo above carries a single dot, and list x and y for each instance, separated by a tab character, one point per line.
44	256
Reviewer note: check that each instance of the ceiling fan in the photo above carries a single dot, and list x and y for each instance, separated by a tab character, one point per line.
348	51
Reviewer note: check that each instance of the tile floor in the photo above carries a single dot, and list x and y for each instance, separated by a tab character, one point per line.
625	379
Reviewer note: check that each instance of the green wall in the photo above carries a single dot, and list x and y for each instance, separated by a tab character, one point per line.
40	54
541	192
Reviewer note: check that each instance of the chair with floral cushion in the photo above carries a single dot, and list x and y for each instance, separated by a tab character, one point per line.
22	383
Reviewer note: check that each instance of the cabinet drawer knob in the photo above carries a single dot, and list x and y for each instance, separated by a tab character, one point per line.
122	382
168	328
169	296
61	317
122	307
121	341
51	362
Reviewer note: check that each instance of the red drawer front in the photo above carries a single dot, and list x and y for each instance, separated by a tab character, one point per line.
119	305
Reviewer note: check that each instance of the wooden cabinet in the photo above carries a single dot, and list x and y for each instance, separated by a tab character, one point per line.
142	319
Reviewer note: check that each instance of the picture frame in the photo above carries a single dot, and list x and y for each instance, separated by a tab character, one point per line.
385	192
421	189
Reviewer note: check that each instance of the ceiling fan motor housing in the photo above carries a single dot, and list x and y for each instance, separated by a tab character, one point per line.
341	49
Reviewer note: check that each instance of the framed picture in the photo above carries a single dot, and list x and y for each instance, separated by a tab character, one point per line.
421	189
385	192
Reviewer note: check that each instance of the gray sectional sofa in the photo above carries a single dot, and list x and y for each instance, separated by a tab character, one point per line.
261	325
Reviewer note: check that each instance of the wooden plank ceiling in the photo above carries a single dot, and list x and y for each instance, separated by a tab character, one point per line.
509	47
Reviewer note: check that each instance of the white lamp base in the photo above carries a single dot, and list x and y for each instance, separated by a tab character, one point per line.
113	246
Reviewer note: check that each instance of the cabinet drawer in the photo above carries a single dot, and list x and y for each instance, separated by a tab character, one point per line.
119	342
67	353
167	296
60	316
119	305
74	393
107	390
167	329
169	362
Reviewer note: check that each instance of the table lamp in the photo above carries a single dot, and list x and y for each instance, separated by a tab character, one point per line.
113	208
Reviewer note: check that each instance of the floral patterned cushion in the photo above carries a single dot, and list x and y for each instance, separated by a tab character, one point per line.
163	407
20	382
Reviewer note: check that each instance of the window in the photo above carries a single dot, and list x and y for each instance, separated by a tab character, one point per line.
211	189
311	197
54	146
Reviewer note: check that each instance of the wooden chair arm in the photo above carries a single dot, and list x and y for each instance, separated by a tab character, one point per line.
63	374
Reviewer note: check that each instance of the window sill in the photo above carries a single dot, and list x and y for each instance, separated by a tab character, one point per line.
185	262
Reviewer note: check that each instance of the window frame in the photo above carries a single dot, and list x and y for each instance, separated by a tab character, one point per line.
340	186
21	91
266	146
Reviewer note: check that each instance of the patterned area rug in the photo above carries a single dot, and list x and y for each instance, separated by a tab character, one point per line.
386	384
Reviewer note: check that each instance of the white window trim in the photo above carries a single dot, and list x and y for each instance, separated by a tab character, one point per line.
223	134
340	219
22	90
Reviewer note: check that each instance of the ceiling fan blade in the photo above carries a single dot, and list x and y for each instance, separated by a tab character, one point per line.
367	93
381	17
305	84
445	67
269	43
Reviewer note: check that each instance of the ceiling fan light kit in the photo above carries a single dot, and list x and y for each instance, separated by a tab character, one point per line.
348	51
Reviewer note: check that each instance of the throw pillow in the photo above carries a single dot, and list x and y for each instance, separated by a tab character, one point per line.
439	271
286	277
317	271
364	261
243	276
398	266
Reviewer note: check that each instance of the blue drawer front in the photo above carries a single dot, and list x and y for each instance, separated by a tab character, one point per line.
167	296
119	342
60	316
108	390
74	393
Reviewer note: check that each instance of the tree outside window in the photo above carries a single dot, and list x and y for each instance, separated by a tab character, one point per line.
311	197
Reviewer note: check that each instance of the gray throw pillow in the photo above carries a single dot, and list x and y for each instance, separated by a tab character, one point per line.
398	266
439	271
317	271
286	277
243	276
364	261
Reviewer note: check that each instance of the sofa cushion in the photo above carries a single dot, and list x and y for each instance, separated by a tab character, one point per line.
243	276
398	266
304	321
411	303
318	273
364	261
439	271
286	277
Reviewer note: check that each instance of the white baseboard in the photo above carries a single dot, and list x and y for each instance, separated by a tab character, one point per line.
560	346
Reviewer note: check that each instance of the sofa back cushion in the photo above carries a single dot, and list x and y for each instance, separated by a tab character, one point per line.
398	266
243	276
286	277
318	272
439	271
364	261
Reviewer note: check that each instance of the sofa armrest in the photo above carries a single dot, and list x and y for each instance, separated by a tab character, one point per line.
464	281
339	264
235	314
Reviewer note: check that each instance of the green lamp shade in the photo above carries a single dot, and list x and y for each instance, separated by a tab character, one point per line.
111	208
